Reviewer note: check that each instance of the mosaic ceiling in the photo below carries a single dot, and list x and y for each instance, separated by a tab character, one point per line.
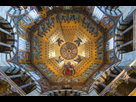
66	62
64	58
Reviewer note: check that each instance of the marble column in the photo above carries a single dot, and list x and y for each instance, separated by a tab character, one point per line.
132	80
15	76
4	31
128	43
3	44
103	85
128	29
134	30
113	75
26	85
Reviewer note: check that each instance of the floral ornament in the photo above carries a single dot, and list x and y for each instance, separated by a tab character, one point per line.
59	41
78	41
78	59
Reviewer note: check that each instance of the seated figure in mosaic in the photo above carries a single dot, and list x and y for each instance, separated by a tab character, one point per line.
60	79
67	80
85	75
64	18
79	18
95	31
89	26
99	40
50	74
68	17
100	48
59	17
95	65
99	51
45	27
99	44
36	54
96	34
40	31
41	65
51	22
75	79
75	17
99	56
90	70
36	39
84	22
37	48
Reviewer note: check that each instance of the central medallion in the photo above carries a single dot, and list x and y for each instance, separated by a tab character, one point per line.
68	51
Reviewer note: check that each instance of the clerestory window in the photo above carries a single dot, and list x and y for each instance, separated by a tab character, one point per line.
33	13
97	14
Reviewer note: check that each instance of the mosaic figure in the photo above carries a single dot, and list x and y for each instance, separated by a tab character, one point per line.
78	41
51	22
78	59
60	79
67	80
68	69
59	41
59	60
84	22
75	79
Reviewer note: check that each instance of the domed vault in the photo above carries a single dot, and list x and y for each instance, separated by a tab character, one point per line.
79	51
65	53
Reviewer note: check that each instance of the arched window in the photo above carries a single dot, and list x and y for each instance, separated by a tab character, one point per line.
109	45
33	13
23	44
97	14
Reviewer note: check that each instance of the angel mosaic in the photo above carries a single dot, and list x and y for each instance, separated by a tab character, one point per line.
59	60
78	59
78	41
59	41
